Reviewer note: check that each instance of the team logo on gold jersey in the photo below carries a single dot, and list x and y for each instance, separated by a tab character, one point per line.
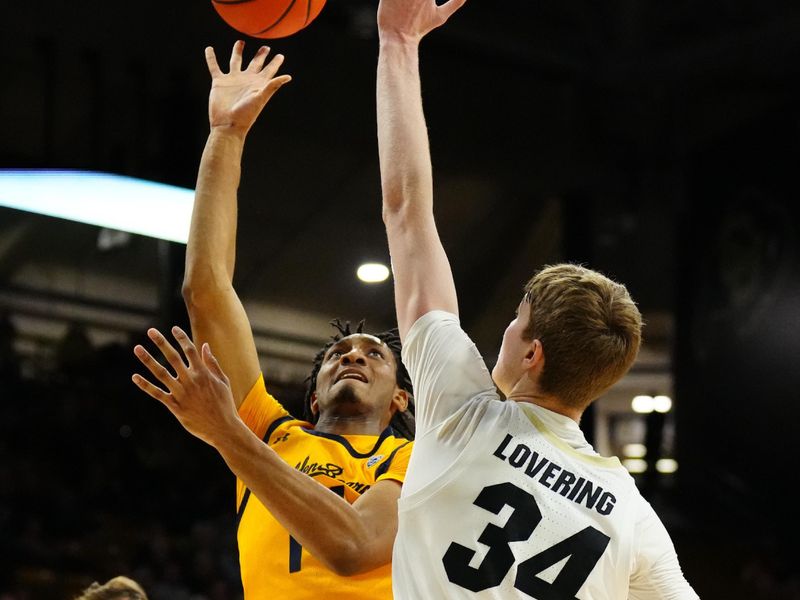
373	460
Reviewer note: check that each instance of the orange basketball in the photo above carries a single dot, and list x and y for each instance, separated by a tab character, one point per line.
268	18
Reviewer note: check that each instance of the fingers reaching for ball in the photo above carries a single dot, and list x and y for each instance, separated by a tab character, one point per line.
211	61
238	97
236	56
258	60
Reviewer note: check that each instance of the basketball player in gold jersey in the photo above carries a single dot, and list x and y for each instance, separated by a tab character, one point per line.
316	498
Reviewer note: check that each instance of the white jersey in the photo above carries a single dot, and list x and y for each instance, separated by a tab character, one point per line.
508	500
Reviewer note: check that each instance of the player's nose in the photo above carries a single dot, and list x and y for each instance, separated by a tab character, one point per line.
354	355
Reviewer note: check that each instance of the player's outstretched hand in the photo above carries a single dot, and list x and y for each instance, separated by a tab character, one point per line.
410	20
238	96
199	393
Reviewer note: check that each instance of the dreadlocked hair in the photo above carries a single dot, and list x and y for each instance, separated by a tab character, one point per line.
402	422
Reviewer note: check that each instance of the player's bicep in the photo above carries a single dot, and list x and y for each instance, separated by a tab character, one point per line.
423	279
220	319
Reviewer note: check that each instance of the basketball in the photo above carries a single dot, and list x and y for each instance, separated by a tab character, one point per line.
268	18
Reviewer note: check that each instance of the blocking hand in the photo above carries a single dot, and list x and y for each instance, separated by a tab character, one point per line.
237	97
199	392
410	20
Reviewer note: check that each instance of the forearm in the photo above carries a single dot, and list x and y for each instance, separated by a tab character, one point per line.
211	250
406	175
215	311
422	275
345	544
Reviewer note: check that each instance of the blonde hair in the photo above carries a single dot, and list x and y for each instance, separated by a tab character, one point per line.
118	588
589	327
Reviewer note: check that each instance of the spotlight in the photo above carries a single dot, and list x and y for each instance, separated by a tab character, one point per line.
373	272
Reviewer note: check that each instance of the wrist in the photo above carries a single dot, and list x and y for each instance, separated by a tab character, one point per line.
398	41
228	131
233	436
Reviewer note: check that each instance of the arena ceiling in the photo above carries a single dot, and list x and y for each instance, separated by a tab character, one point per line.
558	131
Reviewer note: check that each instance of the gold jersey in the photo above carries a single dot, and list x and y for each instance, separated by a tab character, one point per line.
273	564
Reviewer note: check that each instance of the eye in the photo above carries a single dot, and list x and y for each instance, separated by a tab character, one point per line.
377	353
335	354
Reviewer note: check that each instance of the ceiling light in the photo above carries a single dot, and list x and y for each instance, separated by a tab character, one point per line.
113	201
666	465
635	465
373	272
662	404
634	450
643	404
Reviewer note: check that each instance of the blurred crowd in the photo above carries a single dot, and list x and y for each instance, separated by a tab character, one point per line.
97	480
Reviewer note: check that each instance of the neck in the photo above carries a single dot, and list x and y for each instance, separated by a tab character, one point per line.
350	424
531	394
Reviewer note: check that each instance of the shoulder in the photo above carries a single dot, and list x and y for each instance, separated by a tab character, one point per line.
431	323
394	464
436	349
262	413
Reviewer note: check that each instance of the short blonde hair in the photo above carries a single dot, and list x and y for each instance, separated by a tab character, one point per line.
589	327
118	588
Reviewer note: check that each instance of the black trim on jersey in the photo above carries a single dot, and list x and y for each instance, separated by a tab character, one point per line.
277	422
295	555
387	463
270	430
242	506
343	441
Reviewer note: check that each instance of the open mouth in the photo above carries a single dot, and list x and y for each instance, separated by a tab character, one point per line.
351	375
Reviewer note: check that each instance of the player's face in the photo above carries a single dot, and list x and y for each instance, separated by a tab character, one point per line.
358	376
509	368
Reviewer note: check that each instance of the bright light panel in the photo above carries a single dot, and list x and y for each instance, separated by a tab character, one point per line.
113	201
662	404
635	465
666	465
373	272
643	404
634	450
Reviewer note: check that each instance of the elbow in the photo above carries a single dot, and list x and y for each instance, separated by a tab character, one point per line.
351	559
192	290
400	196
201	292
398	215
343	569
392	208
405	210
194	282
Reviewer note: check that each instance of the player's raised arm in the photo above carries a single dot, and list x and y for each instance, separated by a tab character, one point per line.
215	311
423	279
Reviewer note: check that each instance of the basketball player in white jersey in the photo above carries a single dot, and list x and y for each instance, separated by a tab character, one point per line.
504	499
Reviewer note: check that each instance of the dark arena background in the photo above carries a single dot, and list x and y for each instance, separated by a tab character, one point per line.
658	142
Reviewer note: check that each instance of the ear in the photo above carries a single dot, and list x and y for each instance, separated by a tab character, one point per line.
534	358
399	400
314	404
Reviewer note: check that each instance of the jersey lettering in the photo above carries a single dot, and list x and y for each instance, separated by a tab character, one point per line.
554	477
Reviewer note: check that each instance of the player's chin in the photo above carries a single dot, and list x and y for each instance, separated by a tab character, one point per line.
348	391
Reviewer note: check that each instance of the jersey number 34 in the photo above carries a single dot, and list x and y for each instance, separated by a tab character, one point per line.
583	549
